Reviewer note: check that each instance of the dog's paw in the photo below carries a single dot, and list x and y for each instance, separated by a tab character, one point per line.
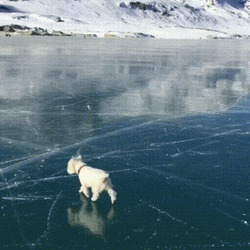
93	199
95	196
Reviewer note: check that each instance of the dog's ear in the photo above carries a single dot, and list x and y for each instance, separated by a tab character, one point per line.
78	157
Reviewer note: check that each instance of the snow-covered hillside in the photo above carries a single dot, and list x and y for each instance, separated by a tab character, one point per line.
144	18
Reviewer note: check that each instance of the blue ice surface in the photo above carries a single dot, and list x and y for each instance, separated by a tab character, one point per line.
177	151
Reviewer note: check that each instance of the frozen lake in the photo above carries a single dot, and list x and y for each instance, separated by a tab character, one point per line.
170	121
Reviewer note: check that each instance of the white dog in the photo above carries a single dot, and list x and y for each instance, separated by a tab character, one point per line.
91	178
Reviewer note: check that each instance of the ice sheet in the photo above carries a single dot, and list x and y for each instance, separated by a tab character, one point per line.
169	122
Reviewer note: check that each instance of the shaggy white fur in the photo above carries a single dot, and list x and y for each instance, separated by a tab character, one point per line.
91	178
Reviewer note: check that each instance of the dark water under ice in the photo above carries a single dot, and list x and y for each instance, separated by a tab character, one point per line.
169	120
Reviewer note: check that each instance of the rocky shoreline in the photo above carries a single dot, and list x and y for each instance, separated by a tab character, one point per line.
16	29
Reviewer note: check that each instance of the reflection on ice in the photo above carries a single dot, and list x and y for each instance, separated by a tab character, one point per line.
57	98
88	217
177	98
177	80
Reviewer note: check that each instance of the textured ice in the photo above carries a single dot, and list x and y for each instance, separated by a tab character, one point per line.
168	121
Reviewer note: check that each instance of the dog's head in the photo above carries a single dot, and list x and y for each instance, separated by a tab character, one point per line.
71	169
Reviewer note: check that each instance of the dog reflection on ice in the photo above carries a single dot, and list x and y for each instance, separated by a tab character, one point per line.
87	216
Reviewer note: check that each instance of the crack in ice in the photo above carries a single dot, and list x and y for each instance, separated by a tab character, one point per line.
35	181
27	243
77	144
48	227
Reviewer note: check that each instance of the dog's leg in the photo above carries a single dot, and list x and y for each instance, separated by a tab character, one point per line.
84	190
95	195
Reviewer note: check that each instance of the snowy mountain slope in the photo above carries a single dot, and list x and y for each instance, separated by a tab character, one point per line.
159	18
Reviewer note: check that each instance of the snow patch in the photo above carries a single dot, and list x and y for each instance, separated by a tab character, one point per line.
159	18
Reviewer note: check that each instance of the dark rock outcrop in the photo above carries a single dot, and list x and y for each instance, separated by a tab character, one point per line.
140	6
8	9
13	28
